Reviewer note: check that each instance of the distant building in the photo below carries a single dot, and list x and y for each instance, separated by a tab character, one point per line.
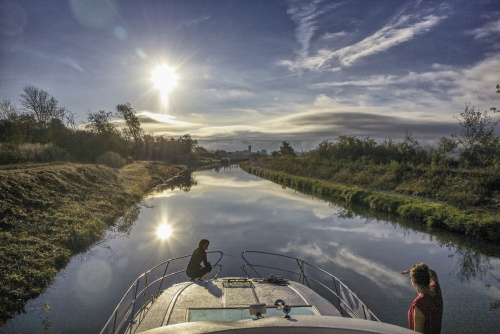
249	152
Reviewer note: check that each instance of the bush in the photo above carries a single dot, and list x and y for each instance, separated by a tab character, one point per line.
31	153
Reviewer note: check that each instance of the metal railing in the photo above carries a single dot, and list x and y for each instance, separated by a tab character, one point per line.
144	290
346	301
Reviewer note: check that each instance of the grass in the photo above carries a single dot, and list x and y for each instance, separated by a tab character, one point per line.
476	224
51	212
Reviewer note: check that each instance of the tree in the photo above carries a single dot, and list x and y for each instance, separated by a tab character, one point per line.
8	111
133	128
187	144
286	149
409	148
43	106
100	122
477	136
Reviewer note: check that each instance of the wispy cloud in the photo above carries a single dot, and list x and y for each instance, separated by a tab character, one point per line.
304	14
193	22
334	35
72	63
443	84
401	29
491	29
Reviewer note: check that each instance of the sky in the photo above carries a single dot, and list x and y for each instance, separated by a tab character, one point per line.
259	72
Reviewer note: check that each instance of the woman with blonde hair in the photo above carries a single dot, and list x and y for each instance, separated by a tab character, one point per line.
426	312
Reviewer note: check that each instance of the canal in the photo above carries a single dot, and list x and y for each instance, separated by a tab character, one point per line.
237	211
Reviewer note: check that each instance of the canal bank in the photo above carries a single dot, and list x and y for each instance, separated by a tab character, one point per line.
51	212
480	226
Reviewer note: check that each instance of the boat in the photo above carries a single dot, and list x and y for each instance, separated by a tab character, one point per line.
294	297
225	161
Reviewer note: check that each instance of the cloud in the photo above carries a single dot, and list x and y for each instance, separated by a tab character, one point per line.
303	14
401	29
378	273
491	29
334	35
441	89
194	22
72	63
434	78
228	94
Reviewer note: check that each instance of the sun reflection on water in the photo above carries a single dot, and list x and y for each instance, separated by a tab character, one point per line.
164	231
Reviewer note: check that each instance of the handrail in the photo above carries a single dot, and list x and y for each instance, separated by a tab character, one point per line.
141	292
348	303
127	308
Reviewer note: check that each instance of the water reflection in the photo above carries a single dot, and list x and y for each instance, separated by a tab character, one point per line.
184	182
476	263
164	231
473	259
237	211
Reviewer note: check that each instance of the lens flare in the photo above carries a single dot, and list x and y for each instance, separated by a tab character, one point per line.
164	231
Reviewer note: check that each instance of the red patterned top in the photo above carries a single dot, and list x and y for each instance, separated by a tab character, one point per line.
431	307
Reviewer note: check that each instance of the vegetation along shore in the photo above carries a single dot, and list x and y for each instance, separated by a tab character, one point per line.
63	185
51	212
438	199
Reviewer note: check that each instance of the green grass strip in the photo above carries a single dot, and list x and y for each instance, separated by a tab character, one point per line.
478	225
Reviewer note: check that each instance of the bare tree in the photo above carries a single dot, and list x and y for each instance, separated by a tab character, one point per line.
8	110
43	106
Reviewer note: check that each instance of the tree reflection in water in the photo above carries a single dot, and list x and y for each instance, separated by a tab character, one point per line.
473	259
184	182
124	226
470	263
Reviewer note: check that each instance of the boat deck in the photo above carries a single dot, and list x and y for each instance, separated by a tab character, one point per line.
205	301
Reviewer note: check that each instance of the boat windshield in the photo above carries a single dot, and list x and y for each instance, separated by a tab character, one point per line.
231	314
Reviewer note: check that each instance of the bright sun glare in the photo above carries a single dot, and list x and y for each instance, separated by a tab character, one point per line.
164	231
164	78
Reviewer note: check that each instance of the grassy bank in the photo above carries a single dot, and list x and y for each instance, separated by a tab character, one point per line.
480	225
48	213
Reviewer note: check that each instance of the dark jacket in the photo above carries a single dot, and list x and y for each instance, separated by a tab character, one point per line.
199	256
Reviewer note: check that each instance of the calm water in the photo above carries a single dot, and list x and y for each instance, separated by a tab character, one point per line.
237	211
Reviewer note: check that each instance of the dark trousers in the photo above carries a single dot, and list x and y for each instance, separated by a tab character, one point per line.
197	273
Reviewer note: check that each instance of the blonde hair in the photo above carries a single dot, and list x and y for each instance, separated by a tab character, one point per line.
420	274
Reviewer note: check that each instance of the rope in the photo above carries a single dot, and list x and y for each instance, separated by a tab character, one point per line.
277	280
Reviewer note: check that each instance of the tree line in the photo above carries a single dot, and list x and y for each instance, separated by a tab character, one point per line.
476	145
50	131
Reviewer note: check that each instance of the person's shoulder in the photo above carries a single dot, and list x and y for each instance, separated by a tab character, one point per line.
418	299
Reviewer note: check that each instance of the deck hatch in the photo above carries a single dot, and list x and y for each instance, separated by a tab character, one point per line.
231	314
237	283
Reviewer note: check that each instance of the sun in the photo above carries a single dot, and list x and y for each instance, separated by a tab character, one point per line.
164	78
164	231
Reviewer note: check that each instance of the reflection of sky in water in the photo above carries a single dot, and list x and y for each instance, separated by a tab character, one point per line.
237	211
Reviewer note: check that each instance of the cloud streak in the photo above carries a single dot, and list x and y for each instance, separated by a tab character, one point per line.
401	29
